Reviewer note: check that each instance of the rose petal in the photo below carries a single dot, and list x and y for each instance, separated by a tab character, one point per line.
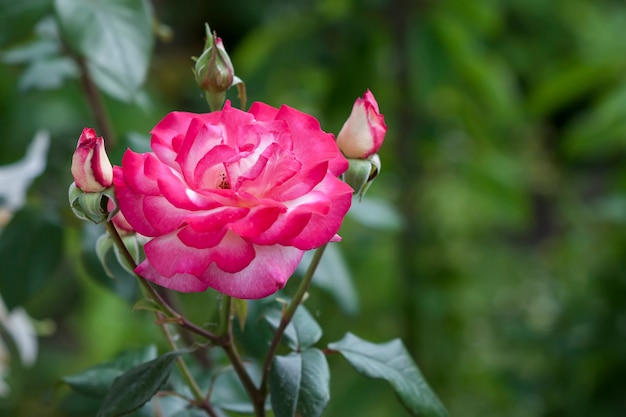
266	274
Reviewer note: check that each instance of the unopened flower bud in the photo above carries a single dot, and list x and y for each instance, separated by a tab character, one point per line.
214	71
91	168
364	131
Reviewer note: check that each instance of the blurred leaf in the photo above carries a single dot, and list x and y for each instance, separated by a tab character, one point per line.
96	381
333	276
31	249
103	246
150	305
194	412
302	332
240	308
115	38
18	17
103	265
47	74
16	177
299	384
568	84
602	129
375	213
29	52
391	361
136	386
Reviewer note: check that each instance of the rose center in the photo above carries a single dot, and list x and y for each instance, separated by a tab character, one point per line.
222	181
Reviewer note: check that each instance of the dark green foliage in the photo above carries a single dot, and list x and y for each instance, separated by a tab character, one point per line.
501	268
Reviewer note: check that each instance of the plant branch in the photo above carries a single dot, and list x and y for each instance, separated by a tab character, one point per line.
288	315
154	294
94	98
149	291
224	340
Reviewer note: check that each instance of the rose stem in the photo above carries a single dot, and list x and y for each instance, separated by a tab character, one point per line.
95	103
148	291
256	396
288	315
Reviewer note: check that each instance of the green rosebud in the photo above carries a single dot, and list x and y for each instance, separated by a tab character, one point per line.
214	71
361	173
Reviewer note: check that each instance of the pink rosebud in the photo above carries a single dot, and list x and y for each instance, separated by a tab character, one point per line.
91	168
230	200
364	131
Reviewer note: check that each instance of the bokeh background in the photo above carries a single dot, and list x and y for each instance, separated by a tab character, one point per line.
493	243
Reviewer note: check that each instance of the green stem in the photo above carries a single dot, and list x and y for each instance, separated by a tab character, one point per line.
225	315
149	291
288	315
257	398
191	382
225	340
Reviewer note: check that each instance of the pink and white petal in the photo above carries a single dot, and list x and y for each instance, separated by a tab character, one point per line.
257	221
322	227
199	140
177	282
266	274
167	137
274	132
306	135
162	215
217	219
169	256
133	169
274	167
262	111
209	172
179	195
131	206
232	254
299	184
286	227
231	120
201	240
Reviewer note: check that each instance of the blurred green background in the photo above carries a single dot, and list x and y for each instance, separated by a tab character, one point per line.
501	265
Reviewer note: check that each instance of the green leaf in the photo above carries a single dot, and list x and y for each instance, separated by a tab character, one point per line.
96	381
17	18
333	276
124	284
391	362
240	307
228	393
115	38
137	386
302	332
300	384
150	305
194	412
103	245
48	74
31	249
376	213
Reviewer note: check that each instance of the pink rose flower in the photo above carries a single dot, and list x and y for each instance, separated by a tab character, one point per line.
91	168
364	131
120	222
231	200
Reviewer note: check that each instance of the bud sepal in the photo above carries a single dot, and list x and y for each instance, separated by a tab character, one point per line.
92	206
361	173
